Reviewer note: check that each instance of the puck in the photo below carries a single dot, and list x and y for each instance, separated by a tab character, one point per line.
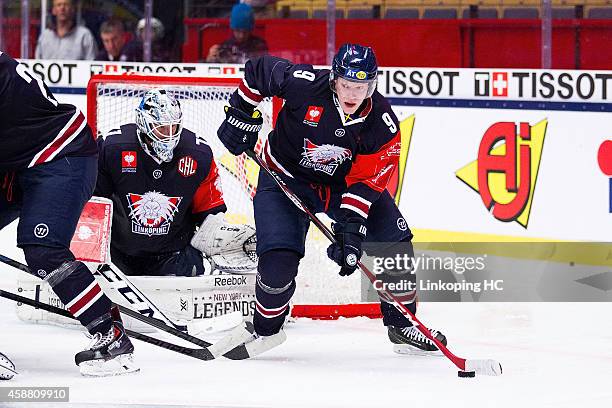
466	374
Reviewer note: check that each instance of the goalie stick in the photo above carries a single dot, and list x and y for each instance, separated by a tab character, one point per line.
228	346
481	366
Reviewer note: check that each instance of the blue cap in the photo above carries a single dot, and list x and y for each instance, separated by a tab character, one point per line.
242	17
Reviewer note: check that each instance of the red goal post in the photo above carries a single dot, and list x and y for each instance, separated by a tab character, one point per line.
111	100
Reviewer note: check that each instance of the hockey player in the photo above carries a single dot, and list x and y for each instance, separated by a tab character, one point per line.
164	183
336	144
47	173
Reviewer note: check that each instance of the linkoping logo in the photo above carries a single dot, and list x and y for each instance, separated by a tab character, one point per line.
325	158
152	213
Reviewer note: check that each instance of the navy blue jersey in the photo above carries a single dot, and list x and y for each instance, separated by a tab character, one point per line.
35	127
156	205
314	141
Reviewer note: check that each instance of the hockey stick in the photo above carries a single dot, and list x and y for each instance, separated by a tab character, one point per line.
202	354
221	347
133	295
486	367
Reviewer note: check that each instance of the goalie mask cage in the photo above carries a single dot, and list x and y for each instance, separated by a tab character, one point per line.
111	102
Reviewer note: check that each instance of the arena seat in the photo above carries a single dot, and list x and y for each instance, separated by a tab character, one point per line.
322	13
440	13
521	12
600	12
360	13
482	13
563	12
401	13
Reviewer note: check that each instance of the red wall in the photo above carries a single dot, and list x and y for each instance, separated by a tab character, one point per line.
12	36
426	43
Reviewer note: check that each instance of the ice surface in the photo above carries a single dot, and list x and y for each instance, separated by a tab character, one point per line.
553	355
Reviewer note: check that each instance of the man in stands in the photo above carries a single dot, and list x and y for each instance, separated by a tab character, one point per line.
243	45
65	39
114	39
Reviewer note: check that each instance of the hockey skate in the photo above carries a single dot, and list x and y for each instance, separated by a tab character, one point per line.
409	340
109	353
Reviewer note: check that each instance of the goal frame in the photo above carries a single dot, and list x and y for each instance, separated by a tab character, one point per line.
313	311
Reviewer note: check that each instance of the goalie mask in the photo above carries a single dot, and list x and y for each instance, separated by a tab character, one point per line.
160	122
355	63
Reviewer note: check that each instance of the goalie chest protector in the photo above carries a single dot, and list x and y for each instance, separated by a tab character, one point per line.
156	205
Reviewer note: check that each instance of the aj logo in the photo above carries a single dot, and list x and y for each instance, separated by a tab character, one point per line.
506	170
604	158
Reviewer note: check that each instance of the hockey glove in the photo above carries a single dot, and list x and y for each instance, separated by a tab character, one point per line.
239	130
346	251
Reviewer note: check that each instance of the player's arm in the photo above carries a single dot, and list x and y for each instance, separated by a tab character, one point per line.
104	182
264	77
270	76
368	178
208	198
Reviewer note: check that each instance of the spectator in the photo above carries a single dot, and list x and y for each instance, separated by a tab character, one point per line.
243	45
159	53
114	39
65	39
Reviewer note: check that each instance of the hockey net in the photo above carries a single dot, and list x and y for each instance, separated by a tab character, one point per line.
111	102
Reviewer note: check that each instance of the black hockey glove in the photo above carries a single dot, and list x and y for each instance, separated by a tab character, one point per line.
239	131
346	252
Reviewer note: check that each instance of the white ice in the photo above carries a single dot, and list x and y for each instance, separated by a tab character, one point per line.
553	355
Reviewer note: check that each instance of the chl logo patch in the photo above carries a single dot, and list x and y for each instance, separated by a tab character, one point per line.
157	173
313	115
128	161
41	230
187	166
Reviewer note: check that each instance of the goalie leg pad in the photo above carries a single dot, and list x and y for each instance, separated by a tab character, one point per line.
275	287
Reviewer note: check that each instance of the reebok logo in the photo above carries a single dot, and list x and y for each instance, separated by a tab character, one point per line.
231	281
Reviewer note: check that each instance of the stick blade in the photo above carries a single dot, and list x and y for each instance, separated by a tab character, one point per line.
234	338
484	367
215	324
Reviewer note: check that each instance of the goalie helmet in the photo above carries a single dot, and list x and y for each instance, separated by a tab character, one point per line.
355	63
160	121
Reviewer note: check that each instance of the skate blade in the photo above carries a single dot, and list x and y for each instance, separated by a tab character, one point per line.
415	351
123	364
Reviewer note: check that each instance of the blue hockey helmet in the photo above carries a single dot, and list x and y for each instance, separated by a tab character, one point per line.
355	63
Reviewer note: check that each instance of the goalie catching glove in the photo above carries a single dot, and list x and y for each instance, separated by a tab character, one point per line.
239	130
230	246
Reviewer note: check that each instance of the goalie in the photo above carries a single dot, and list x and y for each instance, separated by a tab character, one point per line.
164	183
